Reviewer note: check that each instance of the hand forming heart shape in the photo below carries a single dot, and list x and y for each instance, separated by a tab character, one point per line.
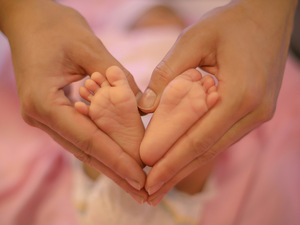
232	42
113	108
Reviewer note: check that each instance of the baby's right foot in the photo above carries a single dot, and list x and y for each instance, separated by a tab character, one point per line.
184	101
113	108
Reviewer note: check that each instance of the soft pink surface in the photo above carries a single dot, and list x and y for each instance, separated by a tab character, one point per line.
35	173
258	179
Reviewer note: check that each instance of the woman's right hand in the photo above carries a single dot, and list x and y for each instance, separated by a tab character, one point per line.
53	46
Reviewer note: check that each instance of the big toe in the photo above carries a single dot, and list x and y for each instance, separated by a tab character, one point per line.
116	76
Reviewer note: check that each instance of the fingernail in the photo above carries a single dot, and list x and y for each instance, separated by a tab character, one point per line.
138	199
156	200
138	96
147	100
155	188
133	184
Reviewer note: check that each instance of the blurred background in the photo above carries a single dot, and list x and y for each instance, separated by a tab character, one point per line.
36	175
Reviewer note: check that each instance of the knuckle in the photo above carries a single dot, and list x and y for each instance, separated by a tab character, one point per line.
207	156
174	181
199	146
250	95
27	118
260	103
116	162
83	157
88	146
84	143
269	114
163	72
266	112
29	111
249	100
27	106
32	108
168	171
252	101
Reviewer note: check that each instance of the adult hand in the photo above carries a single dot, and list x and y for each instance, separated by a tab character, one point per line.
244	44
53	46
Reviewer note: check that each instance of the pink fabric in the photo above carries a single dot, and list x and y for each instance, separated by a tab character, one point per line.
35	173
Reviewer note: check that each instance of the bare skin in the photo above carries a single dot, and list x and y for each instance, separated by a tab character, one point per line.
234	43
113	108
184	101
63	49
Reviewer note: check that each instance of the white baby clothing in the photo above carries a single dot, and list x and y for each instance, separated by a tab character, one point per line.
108	204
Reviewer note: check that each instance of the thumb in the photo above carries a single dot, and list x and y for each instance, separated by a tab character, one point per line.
184	54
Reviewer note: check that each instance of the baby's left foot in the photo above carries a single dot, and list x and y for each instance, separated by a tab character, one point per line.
184	101
113	108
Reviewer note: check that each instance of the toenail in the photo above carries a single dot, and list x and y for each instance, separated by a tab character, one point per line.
147	100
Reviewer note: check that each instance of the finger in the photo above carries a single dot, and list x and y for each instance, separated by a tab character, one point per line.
207	131
139	195
178	164
181	57
155	198
163	188
60	140
187	148
85	135
97	144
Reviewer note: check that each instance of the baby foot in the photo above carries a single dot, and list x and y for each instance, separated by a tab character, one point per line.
113	108
187	98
